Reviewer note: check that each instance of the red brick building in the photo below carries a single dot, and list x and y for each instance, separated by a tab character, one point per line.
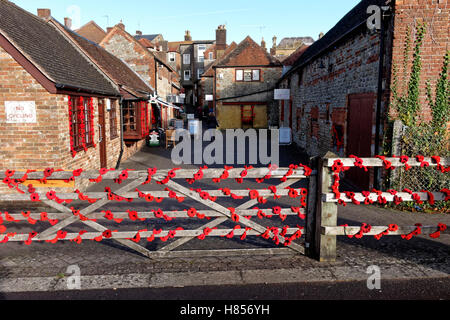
59	103
341	85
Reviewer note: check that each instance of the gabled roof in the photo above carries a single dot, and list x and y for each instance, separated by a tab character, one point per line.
146	43
248	53
354	19
209	72
50	52
92	31
292	42
117	70
149	37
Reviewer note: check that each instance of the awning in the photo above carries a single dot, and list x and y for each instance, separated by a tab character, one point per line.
164	103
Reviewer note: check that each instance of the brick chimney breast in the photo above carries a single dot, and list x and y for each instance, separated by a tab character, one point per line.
221	37
44	13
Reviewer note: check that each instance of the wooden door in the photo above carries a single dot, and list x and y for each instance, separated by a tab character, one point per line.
359	135
102	133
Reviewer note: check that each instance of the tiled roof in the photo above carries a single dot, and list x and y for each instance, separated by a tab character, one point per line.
92	31
149	37
115	68
248	53
45	47
146	43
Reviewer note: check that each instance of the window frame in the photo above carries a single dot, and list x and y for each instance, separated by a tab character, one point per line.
244	71
77	140
189	77
172	57
186	59
113	128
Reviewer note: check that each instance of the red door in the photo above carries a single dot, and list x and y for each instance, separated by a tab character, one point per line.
102	133
359	135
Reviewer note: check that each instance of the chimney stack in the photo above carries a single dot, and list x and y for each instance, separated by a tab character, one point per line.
221	38
321	35
139	33
44	13
68	23
108	29
263	43
187	36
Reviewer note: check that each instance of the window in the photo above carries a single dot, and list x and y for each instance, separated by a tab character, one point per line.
211	56
199	73
239	75
255	75
135	120
186	59
172	57
81	122
113	120
201	53
187	75
248	75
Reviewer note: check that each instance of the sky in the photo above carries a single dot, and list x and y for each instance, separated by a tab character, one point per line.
262	18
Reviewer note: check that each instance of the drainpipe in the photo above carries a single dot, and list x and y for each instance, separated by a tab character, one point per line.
122	142
379	98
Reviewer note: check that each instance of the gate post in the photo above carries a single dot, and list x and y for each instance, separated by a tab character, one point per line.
326	213
310	236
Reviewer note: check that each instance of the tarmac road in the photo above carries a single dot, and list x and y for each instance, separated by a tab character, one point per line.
416	289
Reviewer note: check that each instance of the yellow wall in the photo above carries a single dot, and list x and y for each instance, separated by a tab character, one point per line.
229	116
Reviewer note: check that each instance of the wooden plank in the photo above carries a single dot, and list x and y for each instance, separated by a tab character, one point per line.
135	195
311	211
330	197
171	214
375	162
345	231
144	235
326	214
222	253
180	174
50	184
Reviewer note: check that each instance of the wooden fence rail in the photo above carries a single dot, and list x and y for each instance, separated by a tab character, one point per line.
327	206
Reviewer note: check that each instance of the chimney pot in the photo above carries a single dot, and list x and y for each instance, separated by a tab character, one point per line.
68	23
44	13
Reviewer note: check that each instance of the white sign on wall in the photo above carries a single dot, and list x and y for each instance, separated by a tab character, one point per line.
209	97
282	94
20	111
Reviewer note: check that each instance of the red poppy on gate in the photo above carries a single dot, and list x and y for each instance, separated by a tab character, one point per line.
253	194
107	234
262	200
2	229
48	172
30	238
34	197
393	228
430	197
9	218
293	193
9	173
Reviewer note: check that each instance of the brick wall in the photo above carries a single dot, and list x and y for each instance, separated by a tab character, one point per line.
135	55
45	143
435	13
319	99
